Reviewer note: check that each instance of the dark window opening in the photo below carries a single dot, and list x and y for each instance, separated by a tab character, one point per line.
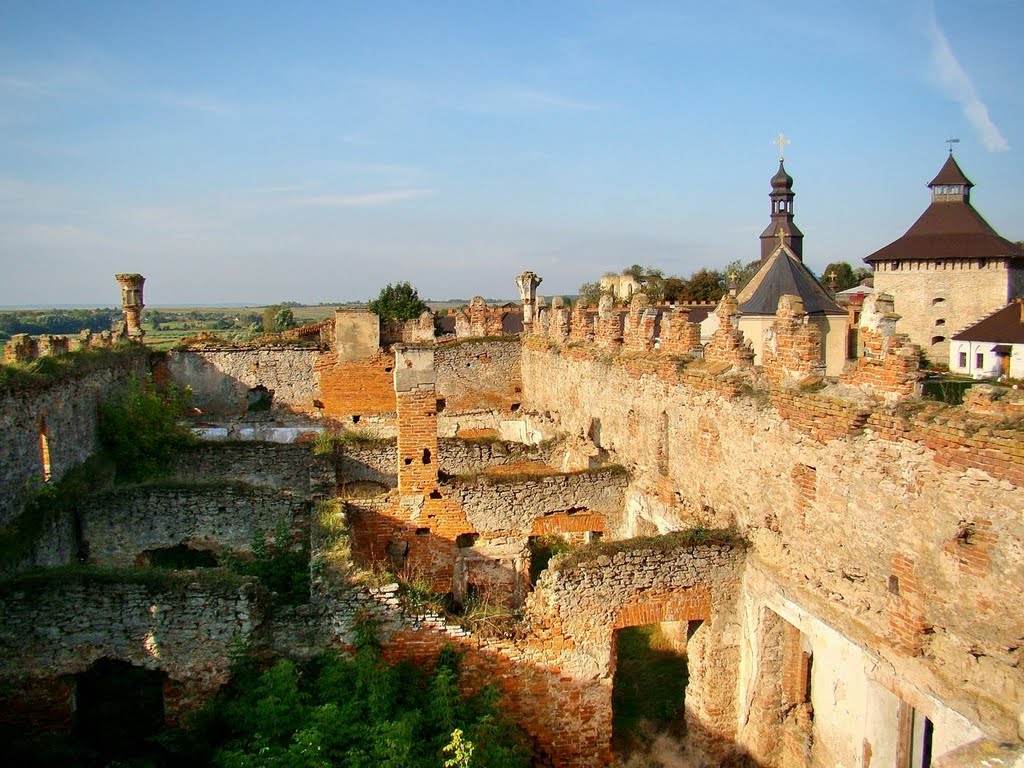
938	339
440	404
118	709
422	531
259	398
941	321
388	369
180	556
894	585
515	407
355	418
407	462
426	455
464	540
435	494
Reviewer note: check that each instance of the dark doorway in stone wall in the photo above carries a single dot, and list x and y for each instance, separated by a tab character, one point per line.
649	688
118	709
181	556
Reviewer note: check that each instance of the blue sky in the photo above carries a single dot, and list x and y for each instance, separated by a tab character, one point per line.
257	152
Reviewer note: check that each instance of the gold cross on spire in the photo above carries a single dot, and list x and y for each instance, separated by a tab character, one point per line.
781	142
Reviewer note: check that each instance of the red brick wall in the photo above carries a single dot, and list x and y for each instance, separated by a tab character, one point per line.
358	387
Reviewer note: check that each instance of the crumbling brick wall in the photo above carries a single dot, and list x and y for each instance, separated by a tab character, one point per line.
792	349
475	376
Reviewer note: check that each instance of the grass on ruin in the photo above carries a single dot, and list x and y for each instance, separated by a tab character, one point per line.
328	442
50	370
334	553
162	579
669	542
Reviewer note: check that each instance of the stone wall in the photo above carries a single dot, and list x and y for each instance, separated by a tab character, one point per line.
66	412
479	375
493	504
869	516
220	379
284	466
940	302
186	626
117	527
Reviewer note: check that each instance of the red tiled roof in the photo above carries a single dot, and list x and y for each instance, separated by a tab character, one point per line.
1004	326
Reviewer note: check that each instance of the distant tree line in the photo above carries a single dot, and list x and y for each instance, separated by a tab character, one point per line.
56	321
711	284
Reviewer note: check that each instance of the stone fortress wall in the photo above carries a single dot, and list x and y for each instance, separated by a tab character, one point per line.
871	576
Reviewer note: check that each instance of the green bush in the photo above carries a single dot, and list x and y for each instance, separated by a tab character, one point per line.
353	711
140	430
279	568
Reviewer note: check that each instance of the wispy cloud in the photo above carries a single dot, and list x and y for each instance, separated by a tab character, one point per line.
200	102
531	100
362	200
954	80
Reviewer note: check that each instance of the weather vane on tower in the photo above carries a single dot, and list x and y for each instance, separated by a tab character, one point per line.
951	142
782	141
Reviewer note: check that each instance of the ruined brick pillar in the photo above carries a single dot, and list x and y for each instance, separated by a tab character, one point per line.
527	283
559	328
22	348
638	334
608	331
581	326
728	344
477	317
131	302
678	335
792	346
887	364
53	346
416	399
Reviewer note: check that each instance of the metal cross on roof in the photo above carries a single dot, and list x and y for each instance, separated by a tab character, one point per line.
951	142
781	234
781	142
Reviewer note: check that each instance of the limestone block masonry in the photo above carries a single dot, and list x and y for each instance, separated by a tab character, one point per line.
119	526
899	529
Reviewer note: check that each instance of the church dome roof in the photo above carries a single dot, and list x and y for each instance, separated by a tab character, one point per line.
782	181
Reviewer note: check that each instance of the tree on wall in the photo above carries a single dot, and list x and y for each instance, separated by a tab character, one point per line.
398	302
277	318
590	294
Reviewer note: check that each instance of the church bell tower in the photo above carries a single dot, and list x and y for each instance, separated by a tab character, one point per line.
782	213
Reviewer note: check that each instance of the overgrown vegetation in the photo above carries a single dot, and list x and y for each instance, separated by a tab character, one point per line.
358	711
398	302
51	369
665	543
140	430
352	711
280	568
